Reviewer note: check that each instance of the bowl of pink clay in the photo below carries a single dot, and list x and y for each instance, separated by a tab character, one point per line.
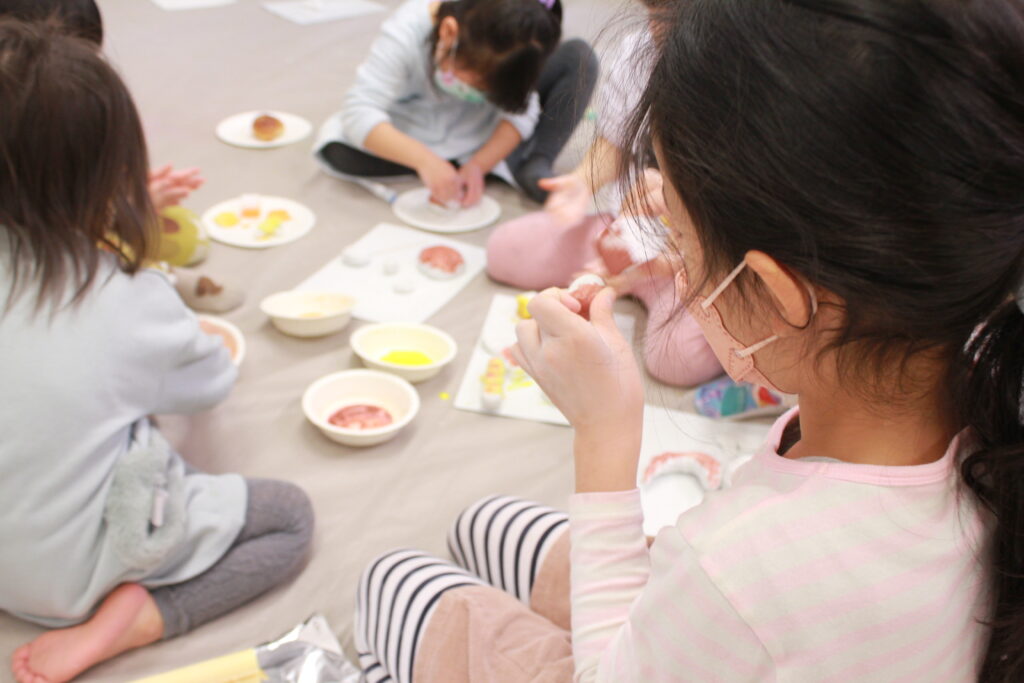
360	407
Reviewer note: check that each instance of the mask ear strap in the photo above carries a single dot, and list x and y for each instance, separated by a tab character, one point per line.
725	283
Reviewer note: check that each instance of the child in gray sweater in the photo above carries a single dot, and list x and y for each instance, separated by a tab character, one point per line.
108	536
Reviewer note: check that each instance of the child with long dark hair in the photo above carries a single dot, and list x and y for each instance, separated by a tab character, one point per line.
108	536
843	183
481	83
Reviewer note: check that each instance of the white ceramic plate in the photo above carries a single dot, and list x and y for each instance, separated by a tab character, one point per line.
246	234
237	130
414	208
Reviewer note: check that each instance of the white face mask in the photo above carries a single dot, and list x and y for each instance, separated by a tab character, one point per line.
451	84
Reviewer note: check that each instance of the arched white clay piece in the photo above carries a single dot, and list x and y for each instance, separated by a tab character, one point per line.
354	257
441	262
496	340
732	467
706	469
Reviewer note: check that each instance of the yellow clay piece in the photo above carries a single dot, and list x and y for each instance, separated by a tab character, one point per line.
410	358
280	214
228	219
270	225
251	212
522	302
519	380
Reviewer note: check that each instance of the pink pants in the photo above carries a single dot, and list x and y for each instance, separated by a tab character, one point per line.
532	252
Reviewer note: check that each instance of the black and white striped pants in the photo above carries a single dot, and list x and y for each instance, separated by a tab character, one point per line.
498	541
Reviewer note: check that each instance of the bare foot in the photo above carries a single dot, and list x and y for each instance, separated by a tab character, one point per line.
127	618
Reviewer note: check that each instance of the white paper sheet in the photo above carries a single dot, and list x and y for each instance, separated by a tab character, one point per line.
374	289
665	431
306	12
173	5
523	398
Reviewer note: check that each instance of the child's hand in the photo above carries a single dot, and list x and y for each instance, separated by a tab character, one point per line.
168	187
569	199
587	369
443	181
472	178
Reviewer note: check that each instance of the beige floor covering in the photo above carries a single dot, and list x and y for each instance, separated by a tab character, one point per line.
188	70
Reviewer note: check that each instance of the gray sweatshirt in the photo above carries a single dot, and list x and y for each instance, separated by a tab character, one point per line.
395	84
92	494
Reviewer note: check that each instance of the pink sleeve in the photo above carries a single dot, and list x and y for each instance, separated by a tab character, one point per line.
638	614
610	568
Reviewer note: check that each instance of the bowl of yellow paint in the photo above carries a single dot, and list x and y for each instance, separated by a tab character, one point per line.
411	351
308	314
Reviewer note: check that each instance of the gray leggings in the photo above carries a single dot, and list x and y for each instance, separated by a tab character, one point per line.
270	548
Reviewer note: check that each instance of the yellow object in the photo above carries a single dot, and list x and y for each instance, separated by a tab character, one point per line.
228	219
444	396
519	380
494	377
280	214
240	667
183	241
251	212
522	303
407	358
270	225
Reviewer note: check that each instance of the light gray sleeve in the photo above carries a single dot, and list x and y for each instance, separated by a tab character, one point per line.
384	76
193	369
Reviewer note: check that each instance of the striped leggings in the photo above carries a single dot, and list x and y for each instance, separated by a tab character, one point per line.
498	541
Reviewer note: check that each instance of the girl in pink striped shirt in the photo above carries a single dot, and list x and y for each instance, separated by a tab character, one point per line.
844	183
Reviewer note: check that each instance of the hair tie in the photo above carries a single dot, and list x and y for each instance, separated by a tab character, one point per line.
550	4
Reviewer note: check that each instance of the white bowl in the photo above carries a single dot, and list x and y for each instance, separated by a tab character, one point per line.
372	342
238	354
350	387
308	314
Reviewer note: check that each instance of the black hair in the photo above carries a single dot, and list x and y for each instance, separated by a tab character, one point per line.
506	41
80	18
73	165
876	149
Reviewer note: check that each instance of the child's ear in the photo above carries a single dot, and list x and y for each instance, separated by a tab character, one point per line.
448	32
792	295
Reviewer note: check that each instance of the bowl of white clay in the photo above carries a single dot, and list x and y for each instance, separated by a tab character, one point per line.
308	314
360	407
412	351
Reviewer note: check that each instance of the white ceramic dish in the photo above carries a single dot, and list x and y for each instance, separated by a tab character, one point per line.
237	130
414	207
372	342
352	387
247	234
308	313
238	353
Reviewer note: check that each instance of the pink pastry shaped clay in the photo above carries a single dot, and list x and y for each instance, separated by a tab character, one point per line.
706	469
584	289
441	262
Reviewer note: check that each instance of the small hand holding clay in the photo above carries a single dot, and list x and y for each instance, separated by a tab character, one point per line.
168	187
472	178
569	200
442	179
587	369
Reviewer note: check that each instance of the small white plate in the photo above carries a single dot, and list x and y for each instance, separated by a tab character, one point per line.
414	207
237	130
247	235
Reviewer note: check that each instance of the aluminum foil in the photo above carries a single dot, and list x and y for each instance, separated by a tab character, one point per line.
309	653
